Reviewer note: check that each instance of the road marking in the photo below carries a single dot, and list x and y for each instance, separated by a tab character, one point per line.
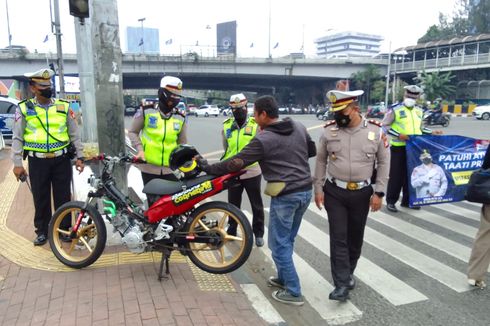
458	210
316	289
390	287
261	304
443	222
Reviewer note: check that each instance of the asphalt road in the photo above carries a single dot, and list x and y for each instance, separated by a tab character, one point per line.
413	266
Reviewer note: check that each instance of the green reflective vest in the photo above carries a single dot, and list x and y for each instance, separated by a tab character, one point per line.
54	120
159	137
238	138
407	121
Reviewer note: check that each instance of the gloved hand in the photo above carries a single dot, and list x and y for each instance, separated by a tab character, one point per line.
201	162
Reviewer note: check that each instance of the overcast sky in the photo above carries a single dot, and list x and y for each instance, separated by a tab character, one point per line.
185	21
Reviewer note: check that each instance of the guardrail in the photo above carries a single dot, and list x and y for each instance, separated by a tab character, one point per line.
440	63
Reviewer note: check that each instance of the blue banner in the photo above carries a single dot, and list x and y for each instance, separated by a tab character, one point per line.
439	167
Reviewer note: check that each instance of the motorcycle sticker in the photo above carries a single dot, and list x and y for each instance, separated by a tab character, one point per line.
197	190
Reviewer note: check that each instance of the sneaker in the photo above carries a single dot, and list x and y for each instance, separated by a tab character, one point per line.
259	241
285	297
274	281
391	208
477	283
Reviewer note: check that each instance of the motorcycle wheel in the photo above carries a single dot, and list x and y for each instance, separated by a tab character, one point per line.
446	122
231	252
89	243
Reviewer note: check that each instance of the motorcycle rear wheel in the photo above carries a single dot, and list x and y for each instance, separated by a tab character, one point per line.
231	252
89	243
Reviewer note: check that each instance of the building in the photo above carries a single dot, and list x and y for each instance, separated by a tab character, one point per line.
143	40
348	44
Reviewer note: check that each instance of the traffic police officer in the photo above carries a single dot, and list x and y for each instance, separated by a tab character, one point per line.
402	121
43	130
162	128
348	150
238	131
428	179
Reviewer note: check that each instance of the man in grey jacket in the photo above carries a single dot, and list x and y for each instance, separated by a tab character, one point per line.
282	149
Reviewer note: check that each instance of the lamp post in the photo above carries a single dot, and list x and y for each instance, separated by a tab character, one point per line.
8	26
388	77
58	47
142	42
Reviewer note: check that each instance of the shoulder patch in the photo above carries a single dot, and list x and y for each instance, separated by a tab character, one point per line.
375	122
226	120
329	123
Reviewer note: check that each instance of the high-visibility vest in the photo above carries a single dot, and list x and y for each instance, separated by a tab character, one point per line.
408	122
159	137
238	138
54	120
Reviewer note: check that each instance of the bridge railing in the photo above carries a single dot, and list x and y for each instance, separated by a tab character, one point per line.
466	60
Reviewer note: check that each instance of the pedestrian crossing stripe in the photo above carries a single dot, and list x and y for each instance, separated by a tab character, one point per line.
461	211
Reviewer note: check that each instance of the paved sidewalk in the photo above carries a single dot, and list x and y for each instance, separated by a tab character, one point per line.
121	289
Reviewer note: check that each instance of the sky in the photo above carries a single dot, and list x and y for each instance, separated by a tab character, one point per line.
186	22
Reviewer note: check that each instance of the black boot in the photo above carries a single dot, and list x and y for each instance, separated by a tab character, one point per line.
340	293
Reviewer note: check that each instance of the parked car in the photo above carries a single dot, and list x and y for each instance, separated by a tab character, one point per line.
296	110
283	110
181	107
191	109
226	111
129	110
2	142
207	110
7	113
320	112
482	112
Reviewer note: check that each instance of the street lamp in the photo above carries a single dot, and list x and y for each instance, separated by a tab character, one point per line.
142	41
388	76
8	26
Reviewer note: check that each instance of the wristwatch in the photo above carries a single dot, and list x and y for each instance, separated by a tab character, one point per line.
379	194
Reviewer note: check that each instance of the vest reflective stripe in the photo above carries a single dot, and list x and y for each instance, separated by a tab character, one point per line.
237	139
54	120
159	137
407	122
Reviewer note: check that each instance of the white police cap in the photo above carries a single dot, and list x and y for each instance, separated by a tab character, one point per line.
41	77
172	84
340	99
238	100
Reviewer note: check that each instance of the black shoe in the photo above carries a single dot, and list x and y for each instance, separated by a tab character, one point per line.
352	283
406	206
340	293
391	208
259	241
231	231
40	240
65	238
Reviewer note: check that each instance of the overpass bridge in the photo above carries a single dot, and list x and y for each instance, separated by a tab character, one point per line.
218	73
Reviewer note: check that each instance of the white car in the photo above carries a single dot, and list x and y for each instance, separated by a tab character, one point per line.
207	110
482	112
283	110
7	113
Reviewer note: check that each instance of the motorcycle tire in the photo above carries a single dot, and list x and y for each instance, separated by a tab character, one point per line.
91	234
211	219
445	123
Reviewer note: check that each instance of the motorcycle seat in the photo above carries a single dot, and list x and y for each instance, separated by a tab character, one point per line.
167	187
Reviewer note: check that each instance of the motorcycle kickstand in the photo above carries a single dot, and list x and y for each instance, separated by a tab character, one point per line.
164	261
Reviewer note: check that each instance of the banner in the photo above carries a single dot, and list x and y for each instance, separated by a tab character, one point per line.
226	38
439	167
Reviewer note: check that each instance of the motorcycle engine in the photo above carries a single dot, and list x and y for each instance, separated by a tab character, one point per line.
131	234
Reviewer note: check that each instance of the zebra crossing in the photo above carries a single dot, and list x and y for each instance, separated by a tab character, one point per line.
393	287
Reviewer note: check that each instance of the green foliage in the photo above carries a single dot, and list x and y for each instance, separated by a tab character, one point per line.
436	84
365	80
378	91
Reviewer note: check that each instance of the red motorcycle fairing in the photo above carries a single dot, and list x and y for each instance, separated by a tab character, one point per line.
183	201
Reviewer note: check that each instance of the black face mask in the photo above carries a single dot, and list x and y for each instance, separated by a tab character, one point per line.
342	120
427	161
240	115
166	102
47	92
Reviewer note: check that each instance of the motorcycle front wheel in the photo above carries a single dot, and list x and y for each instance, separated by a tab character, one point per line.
228	252
89	241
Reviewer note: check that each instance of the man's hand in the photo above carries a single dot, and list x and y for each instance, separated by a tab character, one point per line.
437	132
375	203
319	198
140	155
403	137
79	165
19	171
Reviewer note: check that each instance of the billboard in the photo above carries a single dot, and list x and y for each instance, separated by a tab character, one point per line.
226	38
143	40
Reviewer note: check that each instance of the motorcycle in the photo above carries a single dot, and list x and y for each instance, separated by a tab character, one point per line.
177	220
430	118
374	112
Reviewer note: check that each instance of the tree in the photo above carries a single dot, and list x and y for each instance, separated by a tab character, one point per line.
436	84
378	91
365	80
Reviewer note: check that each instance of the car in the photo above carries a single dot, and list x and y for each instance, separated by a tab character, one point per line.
226	111
7	113
482	112
320	112
129	110
296	110
283	110
250	110
207	110
191	109
2	142
181	107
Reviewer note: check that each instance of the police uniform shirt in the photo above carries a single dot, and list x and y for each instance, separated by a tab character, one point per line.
429	181
20	125
134	132
351	154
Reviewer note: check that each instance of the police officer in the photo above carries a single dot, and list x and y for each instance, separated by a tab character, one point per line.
428	179
238	131
43	130
402	121
162	128
348	149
